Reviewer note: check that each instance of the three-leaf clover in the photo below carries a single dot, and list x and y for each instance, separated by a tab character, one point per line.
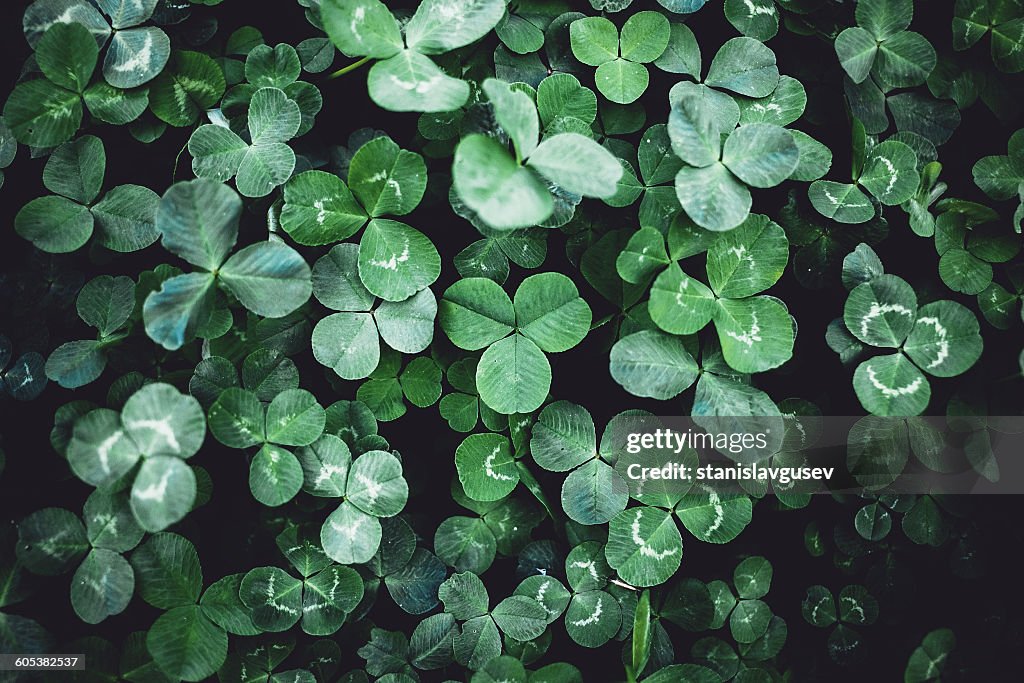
564	439
888	170
189	641
547	315
620	56
658	166
509	192
592	614
46	112
462	408
972	19
51	540
371	486
136	54
64	221
748	615
940	338
390	385
259	167
756	332
348	342
465	599
712	183
383	179
105	303
490	256
969	241
880	45
322	598
404	78
198	221
501	526
159	426
273	67
293	417
856	607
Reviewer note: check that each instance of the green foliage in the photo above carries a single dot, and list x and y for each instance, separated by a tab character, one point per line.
583	198
940	338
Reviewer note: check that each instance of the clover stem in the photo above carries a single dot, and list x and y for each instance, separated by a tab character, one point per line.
351	67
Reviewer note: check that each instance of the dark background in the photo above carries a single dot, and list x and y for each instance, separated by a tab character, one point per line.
916	586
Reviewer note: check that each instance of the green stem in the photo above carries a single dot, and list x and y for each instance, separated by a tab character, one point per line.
177	159
351	67
114	338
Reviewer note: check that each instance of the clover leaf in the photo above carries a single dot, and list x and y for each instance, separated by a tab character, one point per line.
743	66
293	417
1002	176
758	19
972	19
644	546
136	54
8	148
755	332
64	221
158	426
24	379
51	540
105	303
348	341
564	440
465	599
887	170
404	78
548	315
462	408
712	183
188	641
749	617
490	256
198	221
267	162
373	487
507	193
593	615
190	85
856	607
653	364
940	338
320	208
46	112
390	385
881	46
620	55
969	246
501	526
322	600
